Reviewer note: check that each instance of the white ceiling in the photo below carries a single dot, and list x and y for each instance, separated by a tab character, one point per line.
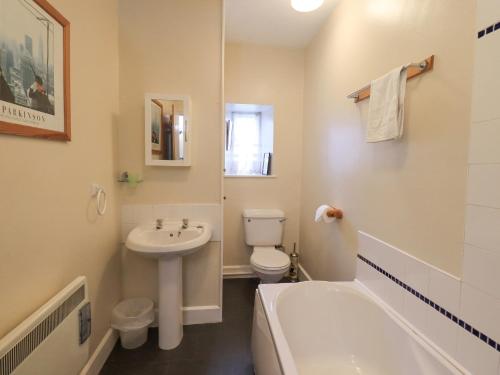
273	22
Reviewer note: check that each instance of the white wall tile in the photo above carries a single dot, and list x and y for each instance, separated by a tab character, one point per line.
477	357
363	243
417	275
392	294
482	227
486	78
366	274
137	213
441	330
172	211
162	211
487	13
481	311
395	262
383	287
369	247
415	311
481	269
210	213
383	254
483	183
389	292
479	302
444	289
483	143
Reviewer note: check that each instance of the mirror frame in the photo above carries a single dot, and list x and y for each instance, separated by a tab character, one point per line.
148	97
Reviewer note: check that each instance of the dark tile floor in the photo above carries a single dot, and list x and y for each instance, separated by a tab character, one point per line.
206	349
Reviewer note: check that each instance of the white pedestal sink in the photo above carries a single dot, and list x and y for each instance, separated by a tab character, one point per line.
169	244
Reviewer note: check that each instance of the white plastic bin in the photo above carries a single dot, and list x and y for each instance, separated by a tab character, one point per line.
132	317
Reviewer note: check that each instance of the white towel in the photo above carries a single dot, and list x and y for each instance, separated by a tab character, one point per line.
386	112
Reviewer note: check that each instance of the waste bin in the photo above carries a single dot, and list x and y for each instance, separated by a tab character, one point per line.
132	317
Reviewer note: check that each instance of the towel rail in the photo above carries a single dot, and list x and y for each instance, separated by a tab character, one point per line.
414	70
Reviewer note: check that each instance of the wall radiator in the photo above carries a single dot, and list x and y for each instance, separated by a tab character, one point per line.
54	339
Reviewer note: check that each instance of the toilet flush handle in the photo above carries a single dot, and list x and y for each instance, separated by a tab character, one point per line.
283	220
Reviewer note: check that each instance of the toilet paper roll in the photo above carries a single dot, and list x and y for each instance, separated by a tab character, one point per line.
321	214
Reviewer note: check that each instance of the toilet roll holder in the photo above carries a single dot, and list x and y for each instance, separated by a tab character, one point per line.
335	212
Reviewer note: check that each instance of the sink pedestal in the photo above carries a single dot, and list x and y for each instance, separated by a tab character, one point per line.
170	301
168	242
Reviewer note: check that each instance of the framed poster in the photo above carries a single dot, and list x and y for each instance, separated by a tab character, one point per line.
34	70
156	126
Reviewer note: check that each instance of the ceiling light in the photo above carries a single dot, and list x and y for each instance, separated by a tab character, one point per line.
306	5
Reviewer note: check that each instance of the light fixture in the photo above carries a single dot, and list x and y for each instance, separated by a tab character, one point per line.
306	5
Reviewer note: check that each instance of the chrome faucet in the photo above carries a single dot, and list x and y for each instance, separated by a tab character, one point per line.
159	224
185	223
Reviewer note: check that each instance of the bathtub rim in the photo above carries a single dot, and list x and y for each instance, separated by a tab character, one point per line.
269	294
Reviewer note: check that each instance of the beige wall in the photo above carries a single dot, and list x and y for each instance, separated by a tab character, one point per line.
409	193
265	75
172	47
49	230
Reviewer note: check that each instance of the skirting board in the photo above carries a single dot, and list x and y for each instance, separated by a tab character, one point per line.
303	275
245	271
238	272
202	314
101	353
196	315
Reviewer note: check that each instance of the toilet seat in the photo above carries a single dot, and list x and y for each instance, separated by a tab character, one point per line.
270	259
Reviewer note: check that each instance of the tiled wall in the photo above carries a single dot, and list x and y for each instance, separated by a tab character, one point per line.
480	298
456	316
466	322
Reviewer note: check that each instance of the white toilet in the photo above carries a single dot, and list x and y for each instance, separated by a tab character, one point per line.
264	231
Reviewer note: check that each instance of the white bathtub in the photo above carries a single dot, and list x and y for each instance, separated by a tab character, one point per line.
327	328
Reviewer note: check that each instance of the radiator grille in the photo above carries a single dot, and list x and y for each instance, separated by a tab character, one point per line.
15	356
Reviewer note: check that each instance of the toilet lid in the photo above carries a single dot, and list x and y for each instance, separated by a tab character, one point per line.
269	258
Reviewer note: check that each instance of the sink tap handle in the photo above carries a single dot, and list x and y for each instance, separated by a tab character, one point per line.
159	223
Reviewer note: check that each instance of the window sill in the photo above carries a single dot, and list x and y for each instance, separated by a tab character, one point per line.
249	176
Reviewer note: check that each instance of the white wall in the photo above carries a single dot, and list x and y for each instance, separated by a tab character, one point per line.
265	75
154	58
172	47
409	192
471	335
50	232
480	299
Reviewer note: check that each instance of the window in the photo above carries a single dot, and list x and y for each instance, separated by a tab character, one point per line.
249	139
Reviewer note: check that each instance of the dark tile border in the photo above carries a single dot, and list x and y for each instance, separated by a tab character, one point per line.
488	30
481	336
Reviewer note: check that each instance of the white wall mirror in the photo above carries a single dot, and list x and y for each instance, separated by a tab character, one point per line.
167	130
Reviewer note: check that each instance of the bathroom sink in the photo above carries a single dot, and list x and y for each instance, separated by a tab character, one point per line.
170	240
168	244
